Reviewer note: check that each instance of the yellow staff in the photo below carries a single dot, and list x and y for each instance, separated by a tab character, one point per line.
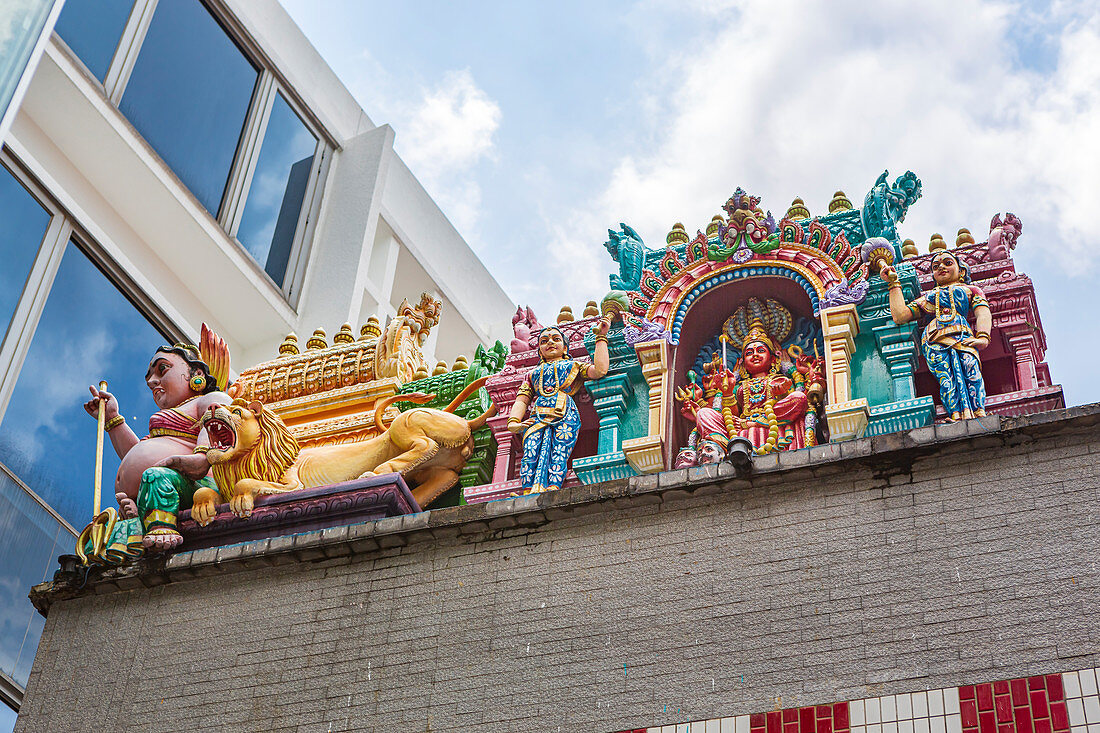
99	451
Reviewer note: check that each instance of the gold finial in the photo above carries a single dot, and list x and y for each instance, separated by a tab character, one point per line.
566	315
678	235
591	309
289	347
936	243
840	202
461	364
421	372
317	340
964	237
715	224
440	368
344	335
909	249
370	329
798	210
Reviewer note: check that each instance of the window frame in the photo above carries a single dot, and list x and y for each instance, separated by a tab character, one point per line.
239	183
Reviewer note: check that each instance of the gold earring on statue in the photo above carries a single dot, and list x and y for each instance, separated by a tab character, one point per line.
198	383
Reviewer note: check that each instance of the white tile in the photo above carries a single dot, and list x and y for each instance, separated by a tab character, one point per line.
889	708
741	723
954	724
889	728
1088	682
1094	727
951	701
728	725
935	702
1071	683
920	704
937	724
920	725
1078	729
1075	706
905	726
855	713
874	728
1092	709
712	726
858	729
905	706
698	727
874	711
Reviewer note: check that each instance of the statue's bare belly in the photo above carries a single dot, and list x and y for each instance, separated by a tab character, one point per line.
146	454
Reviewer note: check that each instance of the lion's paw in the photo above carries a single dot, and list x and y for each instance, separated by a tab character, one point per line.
241	506
367	474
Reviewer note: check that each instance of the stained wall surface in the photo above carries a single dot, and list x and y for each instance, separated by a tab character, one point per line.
907	562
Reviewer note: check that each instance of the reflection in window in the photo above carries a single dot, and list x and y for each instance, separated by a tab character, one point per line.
188	96
92	29
30	541
25	222
7	719
88	331
275	199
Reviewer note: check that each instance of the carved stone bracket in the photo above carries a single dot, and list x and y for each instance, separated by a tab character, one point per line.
647	453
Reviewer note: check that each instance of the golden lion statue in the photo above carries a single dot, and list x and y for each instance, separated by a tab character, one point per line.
253	453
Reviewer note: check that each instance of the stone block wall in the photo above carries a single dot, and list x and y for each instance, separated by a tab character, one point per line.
945	556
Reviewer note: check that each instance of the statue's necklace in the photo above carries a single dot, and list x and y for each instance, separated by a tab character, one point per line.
552	367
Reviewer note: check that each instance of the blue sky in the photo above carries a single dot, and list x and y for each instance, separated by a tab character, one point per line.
537	126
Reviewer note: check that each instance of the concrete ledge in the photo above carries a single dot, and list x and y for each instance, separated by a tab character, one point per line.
887	454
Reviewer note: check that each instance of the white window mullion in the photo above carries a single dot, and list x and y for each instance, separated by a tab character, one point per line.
307	222
133	35
244	165
24	321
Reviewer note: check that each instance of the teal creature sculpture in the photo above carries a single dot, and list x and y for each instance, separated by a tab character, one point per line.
887	205
626	248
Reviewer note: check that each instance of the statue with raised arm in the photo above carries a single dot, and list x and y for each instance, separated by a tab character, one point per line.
163	472
551	432
949	343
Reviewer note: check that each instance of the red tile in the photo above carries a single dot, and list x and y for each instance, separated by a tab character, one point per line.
985	696
1023	720
790	715
1039	705
1042	726
986	722
806	720
1003	705
968	709
824	711
790	728
1000	687
1006	728
971	730
1058	719
1054	687
824	725
1036	683
775	722
1019	692
840	716
756	720
966	692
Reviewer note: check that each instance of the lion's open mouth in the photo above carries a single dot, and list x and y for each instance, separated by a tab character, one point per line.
222	437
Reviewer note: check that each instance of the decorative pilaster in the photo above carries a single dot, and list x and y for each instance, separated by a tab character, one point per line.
847	417
609	398
647	454
899	351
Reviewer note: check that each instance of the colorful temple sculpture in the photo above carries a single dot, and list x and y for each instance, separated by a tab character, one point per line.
750	337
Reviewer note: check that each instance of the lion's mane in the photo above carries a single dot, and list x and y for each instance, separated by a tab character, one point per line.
267	460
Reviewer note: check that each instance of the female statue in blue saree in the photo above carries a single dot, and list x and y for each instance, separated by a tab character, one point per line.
550	434
949	344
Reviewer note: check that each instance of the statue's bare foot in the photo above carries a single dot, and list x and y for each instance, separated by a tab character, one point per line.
159	540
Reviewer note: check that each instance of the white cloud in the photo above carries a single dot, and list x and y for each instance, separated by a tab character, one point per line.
798	99
444	135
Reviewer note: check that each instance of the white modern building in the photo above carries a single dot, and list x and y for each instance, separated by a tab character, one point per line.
171	163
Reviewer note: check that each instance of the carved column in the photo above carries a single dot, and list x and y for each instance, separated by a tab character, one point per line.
609	398
502	465
847	417
899	351
647	454
1023	348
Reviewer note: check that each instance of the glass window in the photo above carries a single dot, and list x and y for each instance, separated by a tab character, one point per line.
25	222
278	186
92	29
88	331
7	719
188	96
30	541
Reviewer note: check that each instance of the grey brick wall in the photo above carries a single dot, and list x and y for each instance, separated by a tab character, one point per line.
921	562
